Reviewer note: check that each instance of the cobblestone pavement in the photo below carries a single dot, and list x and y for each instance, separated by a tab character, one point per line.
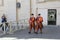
49	32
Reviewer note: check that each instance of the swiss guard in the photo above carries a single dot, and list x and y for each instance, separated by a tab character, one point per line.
39	25
31	23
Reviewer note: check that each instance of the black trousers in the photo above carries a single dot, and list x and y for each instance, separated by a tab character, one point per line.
6	25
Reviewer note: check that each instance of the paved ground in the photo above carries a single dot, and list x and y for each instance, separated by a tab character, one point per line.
49	32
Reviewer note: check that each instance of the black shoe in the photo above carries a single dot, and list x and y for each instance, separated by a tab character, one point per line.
41	32
29	32
36	32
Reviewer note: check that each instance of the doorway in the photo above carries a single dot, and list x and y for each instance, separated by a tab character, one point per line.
52	16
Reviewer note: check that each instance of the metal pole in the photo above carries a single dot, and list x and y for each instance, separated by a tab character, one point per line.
36	12
10	28
16	14
36	8
30	7
4	28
